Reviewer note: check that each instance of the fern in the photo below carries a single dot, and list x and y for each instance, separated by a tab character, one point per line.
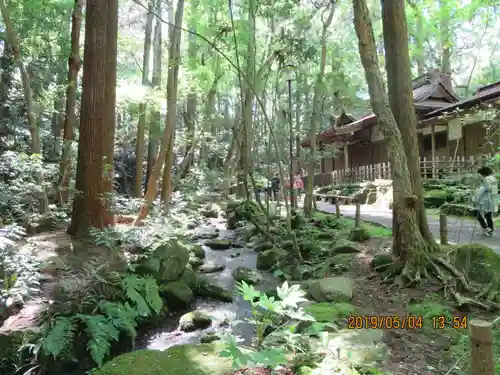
60	337
152	294
132	286
122	316
101	332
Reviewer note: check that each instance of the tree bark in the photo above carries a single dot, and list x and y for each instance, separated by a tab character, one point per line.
141	127
166	146
27	92
316	115
397	62
156	77
74	65
97	117
411	244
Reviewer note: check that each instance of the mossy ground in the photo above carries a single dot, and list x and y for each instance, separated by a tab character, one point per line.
178	360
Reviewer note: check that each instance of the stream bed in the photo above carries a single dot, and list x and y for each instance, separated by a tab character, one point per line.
168	334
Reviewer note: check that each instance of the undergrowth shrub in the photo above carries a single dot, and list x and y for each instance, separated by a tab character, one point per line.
96	312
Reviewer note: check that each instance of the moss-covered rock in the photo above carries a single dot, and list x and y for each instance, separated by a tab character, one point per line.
346	247
331	289
204	236
247	275
208	288
195	262
360	234
209	337
300	272
222	244
177	360
177	295
480	263
173	257
210	211
197	251
269	258
382	261
189	277
211	267
341	263
194	320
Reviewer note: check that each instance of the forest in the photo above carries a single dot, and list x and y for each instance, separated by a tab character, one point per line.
246	188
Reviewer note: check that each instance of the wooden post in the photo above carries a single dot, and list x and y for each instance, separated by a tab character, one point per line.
433	150
357	217
337	207
443	229
346	156
481	347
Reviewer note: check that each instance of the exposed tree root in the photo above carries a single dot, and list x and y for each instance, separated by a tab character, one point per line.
450	277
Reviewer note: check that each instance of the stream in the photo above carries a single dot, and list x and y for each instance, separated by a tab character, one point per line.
168	334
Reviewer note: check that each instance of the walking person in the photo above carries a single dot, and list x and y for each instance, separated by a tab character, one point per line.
298	184
275	186
485	200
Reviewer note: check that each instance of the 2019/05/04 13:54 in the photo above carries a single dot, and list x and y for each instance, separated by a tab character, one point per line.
405	322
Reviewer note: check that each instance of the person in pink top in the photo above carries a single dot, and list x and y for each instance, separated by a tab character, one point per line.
298	184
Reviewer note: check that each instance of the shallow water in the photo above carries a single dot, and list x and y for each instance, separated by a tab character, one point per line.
168	335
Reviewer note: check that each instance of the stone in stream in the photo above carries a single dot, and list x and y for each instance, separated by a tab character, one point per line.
177	295
222	244
197	251
173	258
204	236
269	258
248	275
331	289
235	254
211	267
208	288
190	359
209	337
195	262
194	320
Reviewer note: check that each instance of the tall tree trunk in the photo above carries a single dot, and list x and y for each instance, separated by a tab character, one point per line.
316	115
6	68
399	82
419	37
96	118
167	145
74	65
412	245
141	127
27	92
110	119
154	122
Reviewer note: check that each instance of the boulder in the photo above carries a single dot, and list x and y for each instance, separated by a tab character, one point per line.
360	234
177	360
208	288
193	321
195	262
211	267
341	263
173	257
204	236
345	247
480	263
382	261
209	337
222	244
247	275
177	295
190	278
197	251
331	289
269	258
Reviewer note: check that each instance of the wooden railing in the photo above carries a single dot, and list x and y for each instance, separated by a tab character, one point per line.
439	168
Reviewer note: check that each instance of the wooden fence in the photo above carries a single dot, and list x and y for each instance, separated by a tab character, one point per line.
439	168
